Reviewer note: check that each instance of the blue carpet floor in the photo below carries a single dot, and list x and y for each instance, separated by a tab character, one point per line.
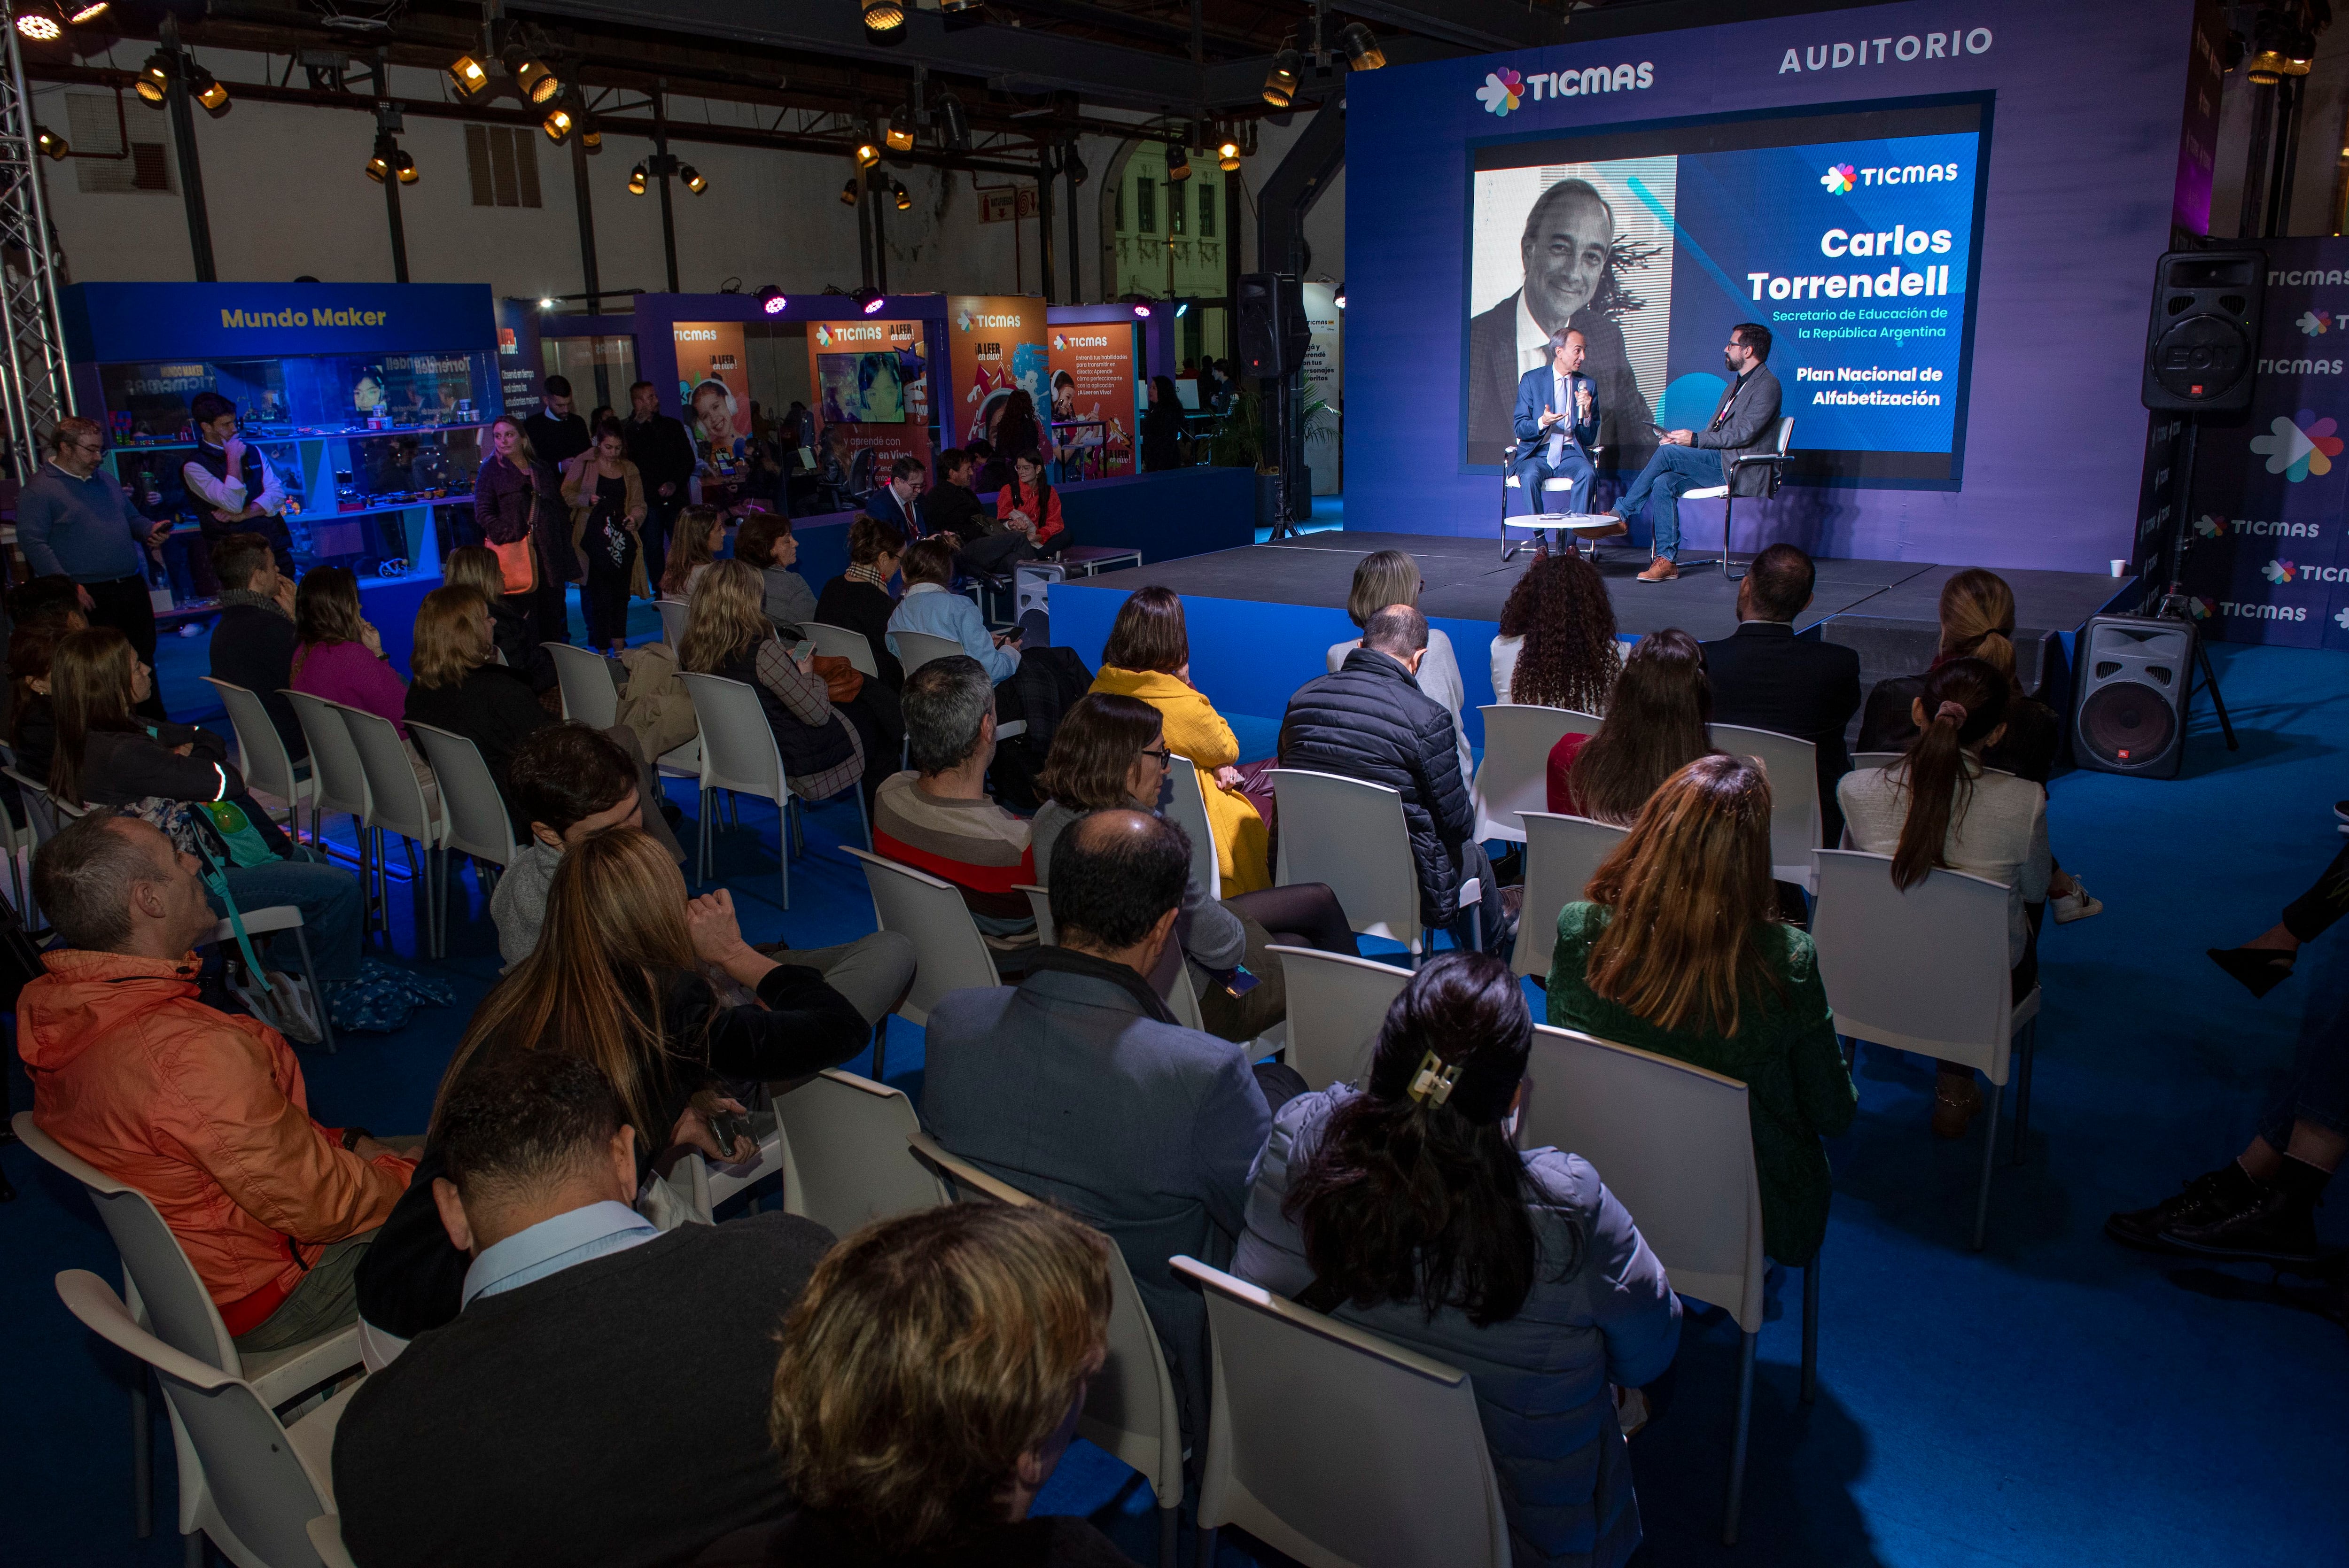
2053	1400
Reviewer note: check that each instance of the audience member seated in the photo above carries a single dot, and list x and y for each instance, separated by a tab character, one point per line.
587	1323
622	976
1765	677
700	535
765	540
938	817
32	718
727	632
458	689
181	780
1939	806
338	655
1370	721
932	607
900	501
1656	724
932	1374
955	510
1080	1087
1110	755
55	599
1148	656
1556	646
1030	508
204	1112
1387	577
253	641
511	630
1679	951
1405	1208
858	599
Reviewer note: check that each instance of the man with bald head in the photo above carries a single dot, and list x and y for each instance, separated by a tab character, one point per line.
1078	1086
1567	252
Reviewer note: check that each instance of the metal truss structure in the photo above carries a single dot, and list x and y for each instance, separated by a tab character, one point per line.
34	386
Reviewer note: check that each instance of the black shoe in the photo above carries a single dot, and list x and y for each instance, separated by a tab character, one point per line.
2262	1227
2261	969
2209	1196
672	813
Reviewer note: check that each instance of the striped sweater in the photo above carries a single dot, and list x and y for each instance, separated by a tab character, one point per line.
976	845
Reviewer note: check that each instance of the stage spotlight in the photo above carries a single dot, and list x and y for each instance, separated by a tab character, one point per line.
694	180
154	83
557	124
884	21
591	134
471	77
637	179
850	191
1178	162
1362	51
207	90
905	197
771	300
40	26
1142	309
89	11
379	166
1339	298
1280	85
546	304
1078	172
1182	310
900	134
405	167
868	300
953	124
538	83
49	144
867	154
1228	155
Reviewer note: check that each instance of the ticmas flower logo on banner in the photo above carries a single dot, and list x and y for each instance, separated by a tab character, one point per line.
1502	91
2210	527
2298	448
1838	178
2279	572
2314	323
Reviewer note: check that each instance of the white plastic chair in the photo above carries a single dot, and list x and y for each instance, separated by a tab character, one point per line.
1514	776
266	1481
916	649
1130	1407
930	912
326	1540
1351	836
262	757
1189	811
840	643
1675	1144
1774	465
1792	768
473	817
1182	1000
1338	1446
584	678
844	1159
739	754
1561	852
672	620
338	785
396	803
1863	761
1925	971
1337	1005
40	827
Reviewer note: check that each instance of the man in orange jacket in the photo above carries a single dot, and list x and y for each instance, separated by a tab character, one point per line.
203	1112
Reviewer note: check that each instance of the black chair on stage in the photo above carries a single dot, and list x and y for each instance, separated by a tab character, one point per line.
1775	463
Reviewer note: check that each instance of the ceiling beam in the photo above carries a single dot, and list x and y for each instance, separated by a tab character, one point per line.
1479	25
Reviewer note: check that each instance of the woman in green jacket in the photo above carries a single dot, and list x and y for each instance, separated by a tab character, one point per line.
1680	951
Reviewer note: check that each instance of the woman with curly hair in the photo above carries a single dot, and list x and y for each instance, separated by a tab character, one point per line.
1556	646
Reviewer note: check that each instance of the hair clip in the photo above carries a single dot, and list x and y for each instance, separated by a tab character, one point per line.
1432	1084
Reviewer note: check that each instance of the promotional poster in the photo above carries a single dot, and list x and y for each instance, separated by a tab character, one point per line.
713	388
998	347
1325	380
872	389
1092	398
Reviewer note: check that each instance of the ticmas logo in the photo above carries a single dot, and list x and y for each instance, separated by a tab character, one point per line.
822	335
2282	571
2299	447
1059	344
1839	179
1503	90
2315	323
2278	572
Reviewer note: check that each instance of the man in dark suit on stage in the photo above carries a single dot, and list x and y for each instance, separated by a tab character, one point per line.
1746	421
1557	421
1765	677
1567	250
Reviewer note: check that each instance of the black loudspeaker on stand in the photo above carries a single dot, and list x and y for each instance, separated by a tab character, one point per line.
1273	339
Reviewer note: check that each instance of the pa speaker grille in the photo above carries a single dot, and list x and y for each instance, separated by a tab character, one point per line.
2127	722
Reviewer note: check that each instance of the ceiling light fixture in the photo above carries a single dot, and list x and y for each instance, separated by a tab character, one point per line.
850	191
954	123
40	26
49	144
884	21
1280	82
154	83
637	177
536	79
1178	162
207	90
1362	51
692	178
900	132
471	77
771	300
867	154
89	11
557	124
905	197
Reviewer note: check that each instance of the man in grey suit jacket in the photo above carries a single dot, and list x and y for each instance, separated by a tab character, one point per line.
1746	421
1078	1086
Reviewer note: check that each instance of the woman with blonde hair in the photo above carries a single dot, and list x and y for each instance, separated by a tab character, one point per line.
471	566
727	632
1680	950
700	534
1387	577
931	1377
459	689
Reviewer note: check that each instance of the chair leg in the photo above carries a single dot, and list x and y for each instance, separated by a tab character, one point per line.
1170	1528
863	819
1738	1445
1811	1330
191	1549
2028	1050
1205	1556
317	989
1989	1151
881	1049
702	842
142	1459
416	886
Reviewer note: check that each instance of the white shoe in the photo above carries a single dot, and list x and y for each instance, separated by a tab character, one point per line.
2077	904
191	629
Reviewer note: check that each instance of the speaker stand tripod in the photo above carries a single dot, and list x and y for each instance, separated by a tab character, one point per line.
2172	605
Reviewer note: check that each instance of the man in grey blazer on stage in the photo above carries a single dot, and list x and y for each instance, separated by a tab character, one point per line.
1746	421
1557	421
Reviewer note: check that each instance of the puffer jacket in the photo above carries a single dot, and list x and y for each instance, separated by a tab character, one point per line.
1601	1312
1370	721
203	1112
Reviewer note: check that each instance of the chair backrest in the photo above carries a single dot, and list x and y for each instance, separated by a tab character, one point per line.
1337	1005
1785	435
1673	1141
1794	770
326	1540
261	750
1862	761
1188	810
1130	1406
584	678
262	1484
1924	970
1514	776
841	643
470	804
916	649
1040	905
40	808
335	766
177	1303
1336	1446
737	744
672	619
394	793
1561	852
1351	836
932	914
846	1163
